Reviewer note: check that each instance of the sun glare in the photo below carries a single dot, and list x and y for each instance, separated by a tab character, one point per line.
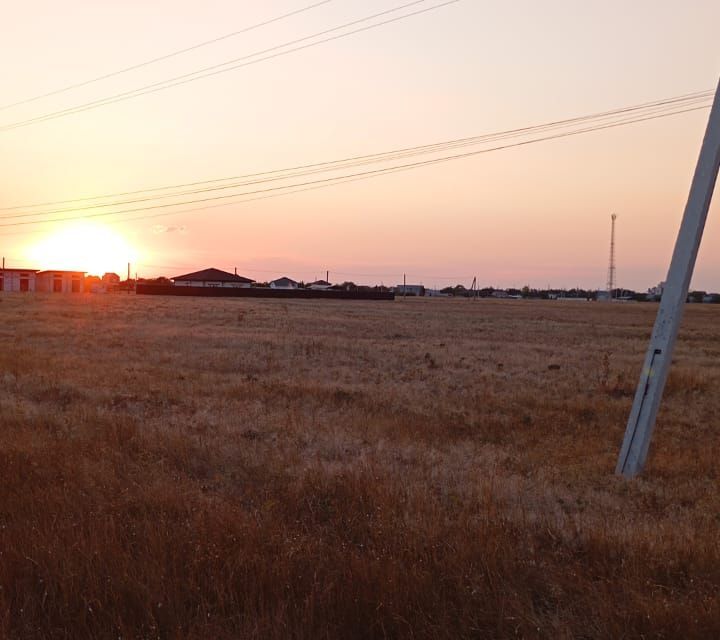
92	248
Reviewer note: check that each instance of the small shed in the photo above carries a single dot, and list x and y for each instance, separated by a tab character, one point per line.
212	278
17	279
54	281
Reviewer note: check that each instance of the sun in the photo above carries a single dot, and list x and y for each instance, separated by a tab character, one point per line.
93	248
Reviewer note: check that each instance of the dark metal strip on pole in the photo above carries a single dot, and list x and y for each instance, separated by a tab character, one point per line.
662	343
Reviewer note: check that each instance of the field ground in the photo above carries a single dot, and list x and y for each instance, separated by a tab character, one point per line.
197	468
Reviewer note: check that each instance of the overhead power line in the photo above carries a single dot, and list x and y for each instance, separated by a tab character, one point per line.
332	181
166	56
648	108
224	68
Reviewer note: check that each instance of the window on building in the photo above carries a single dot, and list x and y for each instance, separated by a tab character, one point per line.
76	285
57	285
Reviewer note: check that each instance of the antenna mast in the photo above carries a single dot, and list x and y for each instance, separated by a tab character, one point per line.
611	266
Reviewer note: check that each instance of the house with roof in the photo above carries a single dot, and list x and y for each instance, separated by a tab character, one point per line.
319	285
58	281
283	283
17	279
212	278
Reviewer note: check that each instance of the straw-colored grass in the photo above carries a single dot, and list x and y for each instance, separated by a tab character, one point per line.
199	468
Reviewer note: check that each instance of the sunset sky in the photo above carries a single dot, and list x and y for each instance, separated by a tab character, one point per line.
536	215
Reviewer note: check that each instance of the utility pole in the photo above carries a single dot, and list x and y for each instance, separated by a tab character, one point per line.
662	343
327	276
404	286
128	279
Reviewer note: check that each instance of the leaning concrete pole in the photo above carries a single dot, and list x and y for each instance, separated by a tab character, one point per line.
662	343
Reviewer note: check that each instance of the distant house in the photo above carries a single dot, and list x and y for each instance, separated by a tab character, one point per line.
54	281
211	278
17	279
409	290
655	293
111	280
320	285
283	283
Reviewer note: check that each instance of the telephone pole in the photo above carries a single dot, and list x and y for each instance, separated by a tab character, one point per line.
662	343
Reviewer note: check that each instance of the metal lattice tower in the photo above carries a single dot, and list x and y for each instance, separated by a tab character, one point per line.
611	266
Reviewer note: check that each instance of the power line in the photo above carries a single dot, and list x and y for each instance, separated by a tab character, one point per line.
360	175
216	69
166	56
649	108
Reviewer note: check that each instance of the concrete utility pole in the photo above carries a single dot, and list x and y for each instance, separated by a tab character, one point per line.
662	343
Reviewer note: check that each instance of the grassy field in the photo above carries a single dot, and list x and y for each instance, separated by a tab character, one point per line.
197	468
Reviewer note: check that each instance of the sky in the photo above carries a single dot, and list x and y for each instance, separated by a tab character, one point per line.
536	215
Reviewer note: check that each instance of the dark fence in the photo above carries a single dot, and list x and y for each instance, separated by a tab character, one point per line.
260	292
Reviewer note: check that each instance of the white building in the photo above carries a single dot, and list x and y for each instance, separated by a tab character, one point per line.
283	283
54	281
409	290
319	285
658	290
212	278
17	279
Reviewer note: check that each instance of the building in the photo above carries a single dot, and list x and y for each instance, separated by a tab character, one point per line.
212	278
17	279
283	283
111	281
655	293
320	285
409	290
54	281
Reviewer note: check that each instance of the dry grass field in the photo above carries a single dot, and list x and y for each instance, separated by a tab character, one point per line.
199	468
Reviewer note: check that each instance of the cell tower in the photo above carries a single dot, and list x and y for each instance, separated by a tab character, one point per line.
611	266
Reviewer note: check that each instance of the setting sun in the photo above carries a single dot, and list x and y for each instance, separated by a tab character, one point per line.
93	248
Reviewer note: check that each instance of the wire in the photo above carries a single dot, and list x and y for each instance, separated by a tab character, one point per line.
356	176
166	56
215	70
647	108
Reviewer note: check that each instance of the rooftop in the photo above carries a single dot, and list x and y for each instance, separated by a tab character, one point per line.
212	275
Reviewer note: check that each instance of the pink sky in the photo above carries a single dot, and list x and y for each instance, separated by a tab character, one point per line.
534	215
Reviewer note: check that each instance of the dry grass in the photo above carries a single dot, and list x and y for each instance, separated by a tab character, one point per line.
185	468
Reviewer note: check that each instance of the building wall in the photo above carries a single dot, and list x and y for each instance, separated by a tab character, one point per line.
60	282
410	290
17	280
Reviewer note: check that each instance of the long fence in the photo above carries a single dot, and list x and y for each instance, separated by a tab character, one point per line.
261	292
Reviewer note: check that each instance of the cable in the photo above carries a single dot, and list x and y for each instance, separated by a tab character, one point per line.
185	78
647	108
359	175
166	56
